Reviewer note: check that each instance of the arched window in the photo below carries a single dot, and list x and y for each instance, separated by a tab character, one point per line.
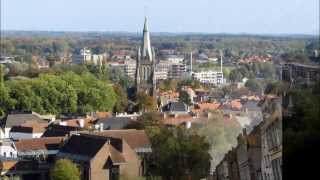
145	73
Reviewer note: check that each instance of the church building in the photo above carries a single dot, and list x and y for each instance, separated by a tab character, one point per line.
145	72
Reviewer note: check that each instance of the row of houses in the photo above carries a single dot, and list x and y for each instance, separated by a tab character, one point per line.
258	154
31	143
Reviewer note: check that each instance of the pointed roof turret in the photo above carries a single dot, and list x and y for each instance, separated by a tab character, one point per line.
146	44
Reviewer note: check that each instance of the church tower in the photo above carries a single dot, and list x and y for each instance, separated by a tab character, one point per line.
145	72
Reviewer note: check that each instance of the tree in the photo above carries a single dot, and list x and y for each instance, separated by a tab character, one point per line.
220	134
65	169
151	122
184	97
67	93
180	154
1	75
122	99
253	85
301	131
145	102
189	82
6	103
277	88
235	76
168	84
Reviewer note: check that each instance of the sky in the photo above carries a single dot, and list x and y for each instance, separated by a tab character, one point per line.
206	16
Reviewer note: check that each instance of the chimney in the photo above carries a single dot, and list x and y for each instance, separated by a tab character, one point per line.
53	118
81	123
244	131
188	124
209	114
164	115
101	126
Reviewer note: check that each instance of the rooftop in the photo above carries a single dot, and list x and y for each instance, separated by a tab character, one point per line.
19	119
135	138
47	143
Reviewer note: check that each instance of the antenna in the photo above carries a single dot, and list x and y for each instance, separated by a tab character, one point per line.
221	64
191	63
145	10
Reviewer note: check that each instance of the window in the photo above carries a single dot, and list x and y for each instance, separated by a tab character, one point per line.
114	173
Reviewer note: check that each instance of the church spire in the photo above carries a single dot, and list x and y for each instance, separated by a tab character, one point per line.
146	44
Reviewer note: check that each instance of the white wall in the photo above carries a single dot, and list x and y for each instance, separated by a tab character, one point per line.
8	151
7	132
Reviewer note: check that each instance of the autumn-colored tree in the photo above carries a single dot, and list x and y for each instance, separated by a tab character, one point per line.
65	169
145	103
122	99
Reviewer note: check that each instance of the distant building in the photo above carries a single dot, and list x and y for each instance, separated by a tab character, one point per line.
86	57
228	168
271	141
130	67
166	69
249	155
162	70
177	71
209	77
175	58
298	73
202	58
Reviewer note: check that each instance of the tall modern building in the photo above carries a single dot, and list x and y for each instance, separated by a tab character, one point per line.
145	71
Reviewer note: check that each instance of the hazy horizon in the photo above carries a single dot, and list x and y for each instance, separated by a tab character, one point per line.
288	17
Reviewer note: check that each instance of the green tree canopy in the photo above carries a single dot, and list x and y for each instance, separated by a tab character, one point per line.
220	134
67	93
184	97
181	154
65	169
254	85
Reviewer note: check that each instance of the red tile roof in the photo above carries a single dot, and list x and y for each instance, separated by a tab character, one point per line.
134	138
206	106
30	127
236	104
75	122
38	143
177	120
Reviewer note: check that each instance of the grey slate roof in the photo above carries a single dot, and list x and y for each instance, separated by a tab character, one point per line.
252	106
113	123
55	130
178	106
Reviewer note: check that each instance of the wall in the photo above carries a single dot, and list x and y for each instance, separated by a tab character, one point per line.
133	167
19	135
6	150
